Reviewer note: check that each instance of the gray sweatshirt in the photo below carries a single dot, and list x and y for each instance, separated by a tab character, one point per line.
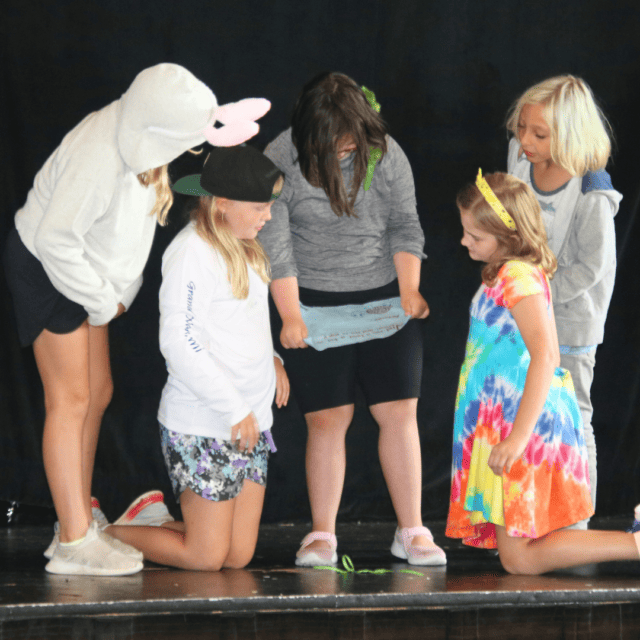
578	218
306	239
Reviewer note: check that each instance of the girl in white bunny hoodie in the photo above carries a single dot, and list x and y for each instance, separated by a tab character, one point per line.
74	262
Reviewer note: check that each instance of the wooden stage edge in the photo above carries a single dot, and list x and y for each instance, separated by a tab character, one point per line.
35	604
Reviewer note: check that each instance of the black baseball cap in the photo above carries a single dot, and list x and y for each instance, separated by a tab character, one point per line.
237	173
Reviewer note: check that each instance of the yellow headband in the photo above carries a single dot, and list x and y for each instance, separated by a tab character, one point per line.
493	201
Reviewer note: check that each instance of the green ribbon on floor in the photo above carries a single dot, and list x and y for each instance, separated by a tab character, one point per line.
347	563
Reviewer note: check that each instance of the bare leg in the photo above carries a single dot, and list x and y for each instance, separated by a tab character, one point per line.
399	450
63	364
174	525
216	534
100	393
326	464
246	522
563	548
76	377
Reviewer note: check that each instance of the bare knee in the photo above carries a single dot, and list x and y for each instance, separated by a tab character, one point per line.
213	561
101	395
73	403
336	419
518	563
396	412
238	560
208	564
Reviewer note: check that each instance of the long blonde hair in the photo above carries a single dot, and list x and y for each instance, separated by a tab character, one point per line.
527	242
212	228
159	178
580	133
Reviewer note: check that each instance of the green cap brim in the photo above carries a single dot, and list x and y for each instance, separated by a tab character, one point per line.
190	186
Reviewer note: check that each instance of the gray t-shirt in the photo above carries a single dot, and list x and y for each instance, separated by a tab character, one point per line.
306	239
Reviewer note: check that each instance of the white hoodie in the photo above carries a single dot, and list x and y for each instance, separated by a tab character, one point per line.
87	216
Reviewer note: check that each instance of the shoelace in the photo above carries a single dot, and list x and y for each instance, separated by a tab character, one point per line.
347	563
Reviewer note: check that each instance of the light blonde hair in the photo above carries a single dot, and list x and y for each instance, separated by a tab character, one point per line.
237	253
159	178
580	133
527	242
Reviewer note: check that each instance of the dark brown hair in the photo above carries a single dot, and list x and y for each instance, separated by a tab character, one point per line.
330	107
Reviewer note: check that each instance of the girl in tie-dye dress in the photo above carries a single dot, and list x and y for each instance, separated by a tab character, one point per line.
520	468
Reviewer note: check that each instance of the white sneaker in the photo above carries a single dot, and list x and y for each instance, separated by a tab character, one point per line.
48	554
97	514
147	510
96	555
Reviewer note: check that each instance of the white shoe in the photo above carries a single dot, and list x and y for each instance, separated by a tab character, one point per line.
97	514
428	555
98	554
48	554
147	510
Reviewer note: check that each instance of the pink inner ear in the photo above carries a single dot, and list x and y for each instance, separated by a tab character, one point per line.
231	134
247	109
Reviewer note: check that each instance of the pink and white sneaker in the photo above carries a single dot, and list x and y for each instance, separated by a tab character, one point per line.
428	555
314	557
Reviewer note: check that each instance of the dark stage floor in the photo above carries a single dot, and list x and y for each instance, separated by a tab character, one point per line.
471	598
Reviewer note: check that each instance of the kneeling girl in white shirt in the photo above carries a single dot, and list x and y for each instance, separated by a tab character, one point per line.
215	413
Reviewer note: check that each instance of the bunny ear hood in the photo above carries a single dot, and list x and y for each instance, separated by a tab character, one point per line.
167	111
238	120
162	114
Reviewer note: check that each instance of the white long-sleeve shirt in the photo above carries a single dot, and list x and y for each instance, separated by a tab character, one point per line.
218	349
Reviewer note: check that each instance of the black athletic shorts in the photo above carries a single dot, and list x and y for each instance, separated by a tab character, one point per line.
37	303
386	369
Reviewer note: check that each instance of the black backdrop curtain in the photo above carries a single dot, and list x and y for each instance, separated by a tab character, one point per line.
444	73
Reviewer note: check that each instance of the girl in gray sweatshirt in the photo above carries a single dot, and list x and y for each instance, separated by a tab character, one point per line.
345	231
560	148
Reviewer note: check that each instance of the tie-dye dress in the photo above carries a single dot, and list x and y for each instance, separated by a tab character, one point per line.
548	487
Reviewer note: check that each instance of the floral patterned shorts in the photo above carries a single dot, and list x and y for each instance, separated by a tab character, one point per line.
214	469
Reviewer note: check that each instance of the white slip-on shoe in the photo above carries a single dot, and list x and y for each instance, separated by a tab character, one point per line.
98	516
428	555
95	555
317	557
